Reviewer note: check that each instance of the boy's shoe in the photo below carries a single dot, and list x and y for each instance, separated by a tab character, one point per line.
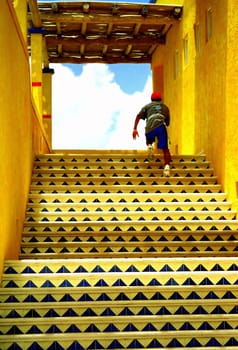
150	152
166	172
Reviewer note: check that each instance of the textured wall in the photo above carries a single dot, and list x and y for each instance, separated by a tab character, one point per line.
201	91
20	132
231	101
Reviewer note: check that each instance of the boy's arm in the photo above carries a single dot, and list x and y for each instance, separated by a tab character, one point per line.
167	117
135	132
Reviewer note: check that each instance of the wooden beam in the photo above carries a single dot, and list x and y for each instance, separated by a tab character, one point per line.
110	60
141	40
115	20
45	54
36	20
35	15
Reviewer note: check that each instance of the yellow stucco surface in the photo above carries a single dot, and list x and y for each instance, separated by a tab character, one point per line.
199	85
231	101
20	132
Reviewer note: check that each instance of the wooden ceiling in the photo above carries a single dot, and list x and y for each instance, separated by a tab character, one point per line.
107	32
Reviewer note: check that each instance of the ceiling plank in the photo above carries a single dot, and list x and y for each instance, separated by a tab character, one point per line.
97	19
91	32
140	40
105	60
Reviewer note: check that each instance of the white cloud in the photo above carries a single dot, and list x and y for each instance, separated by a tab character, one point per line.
91	111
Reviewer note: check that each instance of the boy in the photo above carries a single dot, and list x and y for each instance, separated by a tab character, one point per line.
157	116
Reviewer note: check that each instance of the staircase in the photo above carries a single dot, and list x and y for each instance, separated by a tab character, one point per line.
116	256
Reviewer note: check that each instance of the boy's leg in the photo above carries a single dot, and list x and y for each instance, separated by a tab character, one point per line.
167	156
149	142
162	137
167	159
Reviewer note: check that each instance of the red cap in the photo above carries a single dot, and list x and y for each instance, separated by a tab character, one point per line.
156	96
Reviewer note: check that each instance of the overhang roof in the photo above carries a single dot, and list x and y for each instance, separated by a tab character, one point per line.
107	32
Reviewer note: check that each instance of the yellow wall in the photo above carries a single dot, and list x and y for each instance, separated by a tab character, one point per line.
179	80
215	102
20	132
201	97
231	101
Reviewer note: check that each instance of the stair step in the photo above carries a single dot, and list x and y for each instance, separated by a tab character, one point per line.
118	324
145	248
133	225
125	265
120	308
86	293
121	165
62	179
37	208
121	198
124	278
66	188
121	155
118	244
149	171
126	340
121	161
132	215
141	236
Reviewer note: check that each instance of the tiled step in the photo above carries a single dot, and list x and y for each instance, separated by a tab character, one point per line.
120	272
113	155
130	265
116	188
131	215
121	308
119	160
84	294
36	208
120	278
142	236
63	179
50	210
127	340
148	171
117	324
122	198
116	244
132	225
107	165
116	249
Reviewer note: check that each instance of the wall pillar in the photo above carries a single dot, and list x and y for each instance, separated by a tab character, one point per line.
158	79
36	66
47	102
21	11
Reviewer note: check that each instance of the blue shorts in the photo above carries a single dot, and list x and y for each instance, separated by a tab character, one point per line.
161	133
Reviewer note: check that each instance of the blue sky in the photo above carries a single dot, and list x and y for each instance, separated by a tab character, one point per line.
131	77
94	105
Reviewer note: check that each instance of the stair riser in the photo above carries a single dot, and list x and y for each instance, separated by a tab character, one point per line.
149	215
118	207
126	340
143	225
118	324
125	189
114	279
